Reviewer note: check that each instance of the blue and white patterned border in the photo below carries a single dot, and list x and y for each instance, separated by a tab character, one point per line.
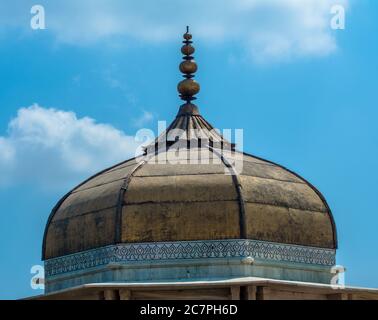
131	252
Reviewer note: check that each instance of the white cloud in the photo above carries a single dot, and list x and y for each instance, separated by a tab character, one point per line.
269	30
51	148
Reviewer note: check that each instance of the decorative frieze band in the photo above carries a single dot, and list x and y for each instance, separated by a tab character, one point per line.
131	252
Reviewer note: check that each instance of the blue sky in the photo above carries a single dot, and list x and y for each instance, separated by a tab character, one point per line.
73	96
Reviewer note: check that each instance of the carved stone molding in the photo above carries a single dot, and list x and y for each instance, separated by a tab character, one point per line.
181	250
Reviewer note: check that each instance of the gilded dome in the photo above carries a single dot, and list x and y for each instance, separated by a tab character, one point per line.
146	199
191	184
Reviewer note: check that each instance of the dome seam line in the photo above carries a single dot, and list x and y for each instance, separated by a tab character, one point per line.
237	183
120	202
329	211
60	202
178	202
86	213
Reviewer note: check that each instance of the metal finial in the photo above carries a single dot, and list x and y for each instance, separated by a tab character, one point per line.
188	87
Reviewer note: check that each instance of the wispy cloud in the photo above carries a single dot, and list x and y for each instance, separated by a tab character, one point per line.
116	81
145	118
53	148
268	30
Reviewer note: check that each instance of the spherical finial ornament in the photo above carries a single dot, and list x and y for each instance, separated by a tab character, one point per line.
188	66
187	36
187	49
188	87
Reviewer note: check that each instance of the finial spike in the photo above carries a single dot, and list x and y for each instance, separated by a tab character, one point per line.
188	87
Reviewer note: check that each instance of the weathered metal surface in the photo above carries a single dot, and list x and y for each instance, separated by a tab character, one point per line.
115	174
192	188
120	201
181	220
80	232
288	225
133	161
177	155
268	171
94	199
180	169
238	188
281	193
173	202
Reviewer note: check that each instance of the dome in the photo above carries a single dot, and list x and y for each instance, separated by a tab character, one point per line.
190	207
183	193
